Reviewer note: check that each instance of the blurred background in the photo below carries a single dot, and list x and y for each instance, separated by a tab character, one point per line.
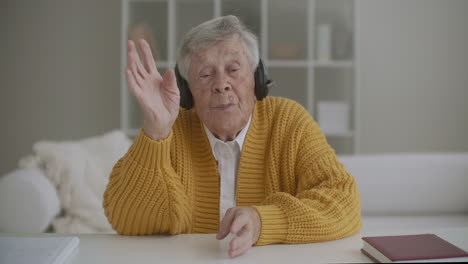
387	81
380	76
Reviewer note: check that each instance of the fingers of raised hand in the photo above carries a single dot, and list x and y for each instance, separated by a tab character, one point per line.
131	83
134	63
148	59
169	82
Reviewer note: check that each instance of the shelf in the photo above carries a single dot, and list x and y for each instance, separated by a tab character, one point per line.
164	64
334	64
305	63
289	55
288	63
287	30
345	134
142	20
289	83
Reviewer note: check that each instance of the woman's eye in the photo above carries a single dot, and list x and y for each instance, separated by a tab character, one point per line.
204	75
234	69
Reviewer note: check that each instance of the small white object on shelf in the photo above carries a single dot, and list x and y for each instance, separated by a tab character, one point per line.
323	42
333	117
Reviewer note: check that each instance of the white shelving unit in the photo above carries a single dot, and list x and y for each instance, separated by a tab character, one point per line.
287	35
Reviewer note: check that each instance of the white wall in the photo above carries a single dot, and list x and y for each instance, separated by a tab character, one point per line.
59	72
413	57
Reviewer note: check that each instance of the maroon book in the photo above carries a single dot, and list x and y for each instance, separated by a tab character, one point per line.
424	247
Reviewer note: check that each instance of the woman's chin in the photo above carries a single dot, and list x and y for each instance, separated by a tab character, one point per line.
227	129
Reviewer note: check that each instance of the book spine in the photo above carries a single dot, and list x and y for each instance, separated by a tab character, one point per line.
369	256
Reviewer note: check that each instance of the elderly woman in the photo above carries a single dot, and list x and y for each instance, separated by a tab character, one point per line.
230	160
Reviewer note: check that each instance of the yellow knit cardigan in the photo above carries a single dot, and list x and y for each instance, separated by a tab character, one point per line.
287	172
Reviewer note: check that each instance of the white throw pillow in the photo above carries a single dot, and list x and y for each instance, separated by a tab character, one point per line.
79	170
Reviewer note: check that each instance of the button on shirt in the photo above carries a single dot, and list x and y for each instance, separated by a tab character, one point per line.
227	155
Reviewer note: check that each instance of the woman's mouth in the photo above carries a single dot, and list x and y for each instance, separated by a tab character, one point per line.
224	107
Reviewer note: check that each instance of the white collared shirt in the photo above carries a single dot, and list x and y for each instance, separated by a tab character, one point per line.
227	155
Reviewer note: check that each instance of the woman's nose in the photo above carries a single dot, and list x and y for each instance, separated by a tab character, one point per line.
222	85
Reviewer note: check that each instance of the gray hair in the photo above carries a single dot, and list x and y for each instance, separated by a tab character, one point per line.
211	32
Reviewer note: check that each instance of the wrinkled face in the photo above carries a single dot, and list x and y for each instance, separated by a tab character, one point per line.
221	81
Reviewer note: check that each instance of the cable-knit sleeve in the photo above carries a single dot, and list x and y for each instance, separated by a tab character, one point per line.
325	204
144	194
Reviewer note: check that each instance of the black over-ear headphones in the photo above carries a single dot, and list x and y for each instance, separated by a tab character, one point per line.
263	84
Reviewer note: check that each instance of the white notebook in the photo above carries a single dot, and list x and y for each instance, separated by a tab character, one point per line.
37	250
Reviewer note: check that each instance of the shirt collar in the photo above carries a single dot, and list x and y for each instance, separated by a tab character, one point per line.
239	139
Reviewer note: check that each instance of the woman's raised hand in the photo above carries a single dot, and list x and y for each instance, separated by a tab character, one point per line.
158	96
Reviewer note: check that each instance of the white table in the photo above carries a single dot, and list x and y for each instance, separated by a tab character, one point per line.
115	249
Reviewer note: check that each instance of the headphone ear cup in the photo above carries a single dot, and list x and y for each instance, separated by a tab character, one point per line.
262	83
258	83
186	100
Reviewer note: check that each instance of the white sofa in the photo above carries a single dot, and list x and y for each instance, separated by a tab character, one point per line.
416	187
61	185
412	192
411	184
28	201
